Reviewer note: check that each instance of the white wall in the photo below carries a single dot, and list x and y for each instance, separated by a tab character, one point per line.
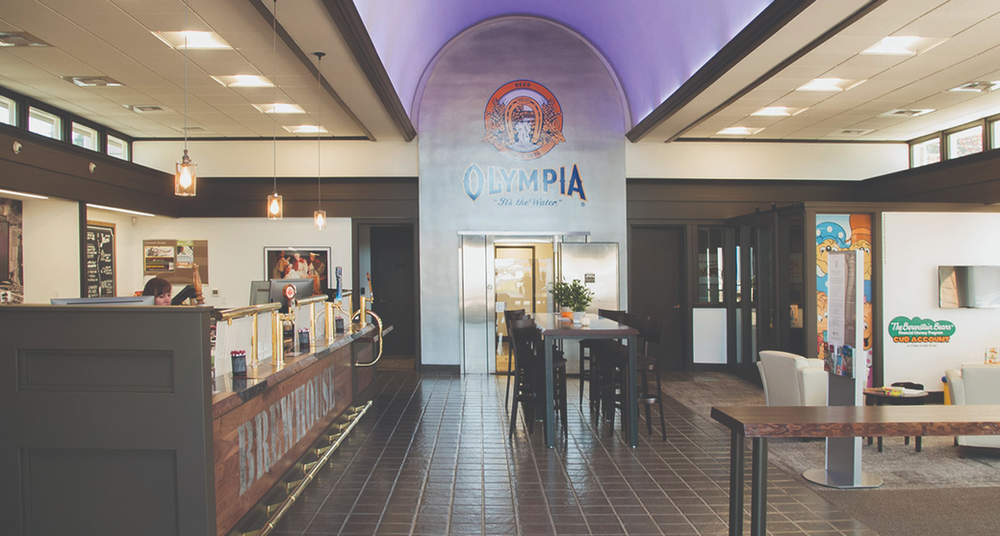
731	160
295	158
51	245
235	248
914	245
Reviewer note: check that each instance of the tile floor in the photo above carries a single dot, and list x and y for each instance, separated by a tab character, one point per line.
432	457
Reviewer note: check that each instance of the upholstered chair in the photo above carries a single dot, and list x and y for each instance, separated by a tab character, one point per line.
975	385
792	380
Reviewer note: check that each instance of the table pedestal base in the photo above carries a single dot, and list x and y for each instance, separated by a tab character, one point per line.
834	480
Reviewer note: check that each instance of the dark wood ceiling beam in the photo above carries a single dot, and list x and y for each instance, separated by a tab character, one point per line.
763	27
856	16
352	27
306	61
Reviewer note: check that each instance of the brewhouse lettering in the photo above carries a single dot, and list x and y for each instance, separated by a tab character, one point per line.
265	439
498	181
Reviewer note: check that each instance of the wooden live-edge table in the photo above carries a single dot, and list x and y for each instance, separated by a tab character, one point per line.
762	422
876	397
553	327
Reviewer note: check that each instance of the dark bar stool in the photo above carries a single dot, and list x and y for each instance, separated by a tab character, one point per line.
529	376
651	331
508	317
589	348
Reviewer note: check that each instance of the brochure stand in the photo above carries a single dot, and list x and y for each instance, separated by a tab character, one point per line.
847	366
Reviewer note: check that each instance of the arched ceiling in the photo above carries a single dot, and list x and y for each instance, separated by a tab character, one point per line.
653	46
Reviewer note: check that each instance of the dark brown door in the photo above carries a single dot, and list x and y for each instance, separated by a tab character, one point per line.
656	286
393	285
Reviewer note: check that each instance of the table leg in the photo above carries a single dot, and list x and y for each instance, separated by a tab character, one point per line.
758	488
736	461
631	396
917	441
550	418
880	443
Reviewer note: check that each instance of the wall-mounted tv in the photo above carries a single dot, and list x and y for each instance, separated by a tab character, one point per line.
968	286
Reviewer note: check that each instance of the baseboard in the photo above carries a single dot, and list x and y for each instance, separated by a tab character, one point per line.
440	369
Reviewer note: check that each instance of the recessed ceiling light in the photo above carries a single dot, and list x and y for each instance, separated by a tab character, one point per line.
830	84
243	80
279	108
903	45
906	113
977	87
778	111
739	131
305	129
20	39
93	81
202	40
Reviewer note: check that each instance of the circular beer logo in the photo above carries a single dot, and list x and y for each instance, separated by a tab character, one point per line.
523	120
289	291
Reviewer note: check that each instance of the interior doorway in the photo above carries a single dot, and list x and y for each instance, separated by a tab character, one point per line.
522	273
656	286
392	262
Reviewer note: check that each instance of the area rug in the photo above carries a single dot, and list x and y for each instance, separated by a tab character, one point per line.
900	466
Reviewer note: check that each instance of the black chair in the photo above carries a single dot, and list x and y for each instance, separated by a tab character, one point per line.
508	317
529	376
589	348
651	334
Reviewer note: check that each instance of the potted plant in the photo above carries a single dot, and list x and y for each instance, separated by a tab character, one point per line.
575	296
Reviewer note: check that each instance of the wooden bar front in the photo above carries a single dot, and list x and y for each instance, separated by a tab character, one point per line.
260	430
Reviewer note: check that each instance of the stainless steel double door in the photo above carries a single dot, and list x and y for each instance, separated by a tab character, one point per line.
501	272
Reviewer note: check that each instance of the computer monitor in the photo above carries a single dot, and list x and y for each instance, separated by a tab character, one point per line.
260	292
109	300
303	289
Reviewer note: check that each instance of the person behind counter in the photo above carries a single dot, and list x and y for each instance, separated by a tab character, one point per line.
160	289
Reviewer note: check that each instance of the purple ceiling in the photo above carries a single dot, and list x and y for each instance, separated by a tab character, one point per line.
652	45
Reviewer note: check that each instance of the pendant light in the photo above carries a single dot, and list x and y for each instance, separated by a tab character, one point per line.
185	176
319	215
274	205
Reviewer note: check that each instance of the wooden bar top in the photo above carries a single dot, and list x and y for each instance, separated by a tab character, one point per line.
859	421
230	393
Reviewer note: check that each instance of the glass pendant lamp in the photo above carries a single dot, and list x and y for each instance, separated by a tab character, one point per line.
319	215
185	176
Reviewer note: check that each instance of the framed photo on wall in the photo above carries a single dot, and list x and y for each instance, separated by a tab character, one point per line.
298	262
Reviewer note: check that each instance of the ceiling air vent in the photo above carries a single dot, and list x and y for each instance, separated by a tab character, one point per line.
93	81
853	132
147	109
906	113
20	39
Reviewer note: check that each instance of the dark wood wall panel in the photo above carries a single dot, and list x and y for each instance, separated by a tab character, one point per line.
969	179
692	200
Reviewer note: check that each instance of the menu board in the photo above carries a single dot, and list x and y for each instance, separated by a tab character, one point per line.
99	272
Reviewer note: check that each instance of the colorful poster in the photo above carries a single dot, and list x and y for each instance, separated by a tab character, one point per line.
839	232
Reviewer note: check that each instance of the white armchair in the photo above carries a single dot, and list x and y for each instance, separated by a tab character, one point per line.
792	380
975	385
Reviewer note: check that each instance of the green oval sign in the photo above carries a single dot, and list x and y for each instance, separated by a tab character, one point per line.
920	330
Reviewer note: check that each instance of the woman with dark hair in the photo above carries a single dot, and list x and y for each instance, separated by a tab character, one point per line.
160	289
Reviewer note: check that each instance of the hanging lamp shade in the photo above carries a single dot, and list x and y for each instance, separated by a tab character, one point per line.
319	219
186	177
274	206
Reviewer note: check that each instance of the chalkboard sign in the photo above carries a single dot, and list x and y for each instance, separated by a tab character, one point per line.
100	269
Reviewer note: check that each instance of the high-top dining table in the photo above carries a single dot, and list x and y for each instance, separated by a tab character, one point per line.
555	328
